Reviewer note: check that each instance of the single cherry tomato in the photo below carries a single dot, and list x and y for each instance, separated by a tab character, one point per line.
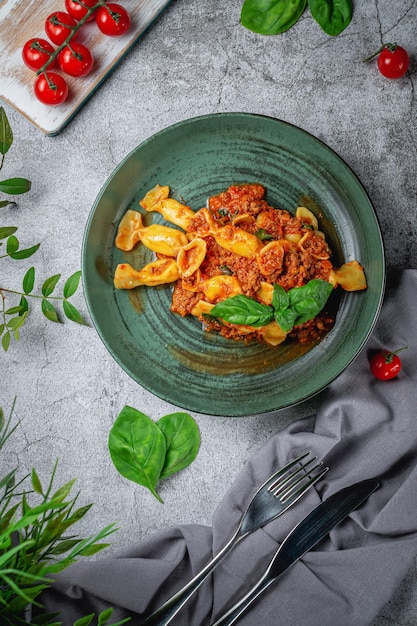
58	26
76	59
78	9
113	20
393	61
36	52
50	88
385	364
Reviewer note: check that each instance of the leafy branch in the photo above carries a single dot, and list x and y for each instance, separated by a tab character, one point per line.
34	543
12	318
10	186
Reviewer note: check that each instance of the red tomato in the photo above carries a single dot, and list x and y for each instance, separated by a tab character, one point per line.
78	9
50	88
393	61
385	364
58	26
36	52
76	59
113	20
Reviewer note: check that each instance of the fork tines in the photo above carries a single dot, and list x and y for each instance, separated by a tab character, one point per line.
292	484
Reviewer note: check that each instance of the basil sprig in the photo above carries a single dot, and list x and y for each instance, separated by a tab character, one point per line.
241	309
289	308
271	17
145	451
300	304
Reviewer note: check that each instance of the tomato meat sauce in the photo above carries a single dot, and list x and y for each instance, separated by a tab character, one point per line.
302	254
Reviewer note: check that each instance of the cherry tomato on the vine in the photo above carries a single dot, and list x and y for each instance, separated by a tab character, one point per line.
393	61
36	52
58	26
76	59
50	88
385	364
78	9
113	20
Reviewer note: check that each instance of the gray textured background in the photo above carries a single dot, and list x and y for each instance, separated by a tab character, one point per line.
197	59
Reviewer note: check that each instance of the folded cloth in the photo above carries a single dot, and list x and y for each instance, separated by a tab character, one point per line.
364	428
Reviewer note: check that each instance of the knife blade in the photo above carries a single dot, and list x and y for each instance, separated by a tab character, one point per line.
302	538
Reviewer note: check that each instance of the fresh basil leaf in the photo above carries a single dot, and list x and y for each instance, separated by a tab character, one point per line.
285	318
241	309
284	314
182	439
307	301
271	17
71	284
6	134
6	231
15	186
263	235
333	16
137	448
50	284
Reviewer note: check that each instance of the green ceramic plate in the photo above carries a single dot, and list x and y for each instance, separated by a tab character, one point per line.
171	356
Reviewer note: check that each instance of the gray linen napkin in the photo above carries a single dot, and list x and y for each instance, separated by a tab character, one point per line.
365	428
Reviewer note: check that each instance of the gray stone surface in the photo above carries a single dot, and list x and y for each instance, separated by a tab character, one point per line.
197	59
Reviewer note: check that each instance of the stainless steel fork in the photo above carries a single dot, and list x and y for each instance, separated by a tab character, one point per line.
274	497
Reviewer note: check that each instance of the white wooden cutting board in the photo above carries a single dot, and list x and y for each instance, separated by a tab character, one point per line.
21	20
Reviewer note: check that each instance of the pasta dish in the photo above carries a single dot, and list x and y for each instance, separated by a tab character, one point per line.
245	269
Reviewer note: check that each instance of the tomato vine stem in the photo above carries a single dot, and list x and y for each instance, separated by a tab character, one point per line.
74	29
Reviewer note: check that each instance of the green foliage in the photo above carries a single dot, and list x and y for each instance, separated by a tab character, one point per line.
11	186
12	318
289	308
271	17
145	452
35	542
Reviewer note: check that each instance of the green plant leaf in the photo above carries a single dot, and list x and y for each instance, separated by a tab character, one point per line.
5	341
50	284
63	491
85	621
49	311
4	203
16	322
36	483
24	304
243	310
333	16
271	17
182	439
308	300
104	616
6	231
15	186
6	134
12	245
14	309
23	254
29	280
72	313
71	285
137	448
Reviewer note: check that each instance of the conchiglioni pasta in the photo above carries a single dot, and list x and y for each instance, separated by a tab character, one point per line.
237	245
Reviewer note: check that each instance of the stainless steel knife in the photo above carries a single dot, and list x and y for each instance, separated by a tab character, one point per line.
304	536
